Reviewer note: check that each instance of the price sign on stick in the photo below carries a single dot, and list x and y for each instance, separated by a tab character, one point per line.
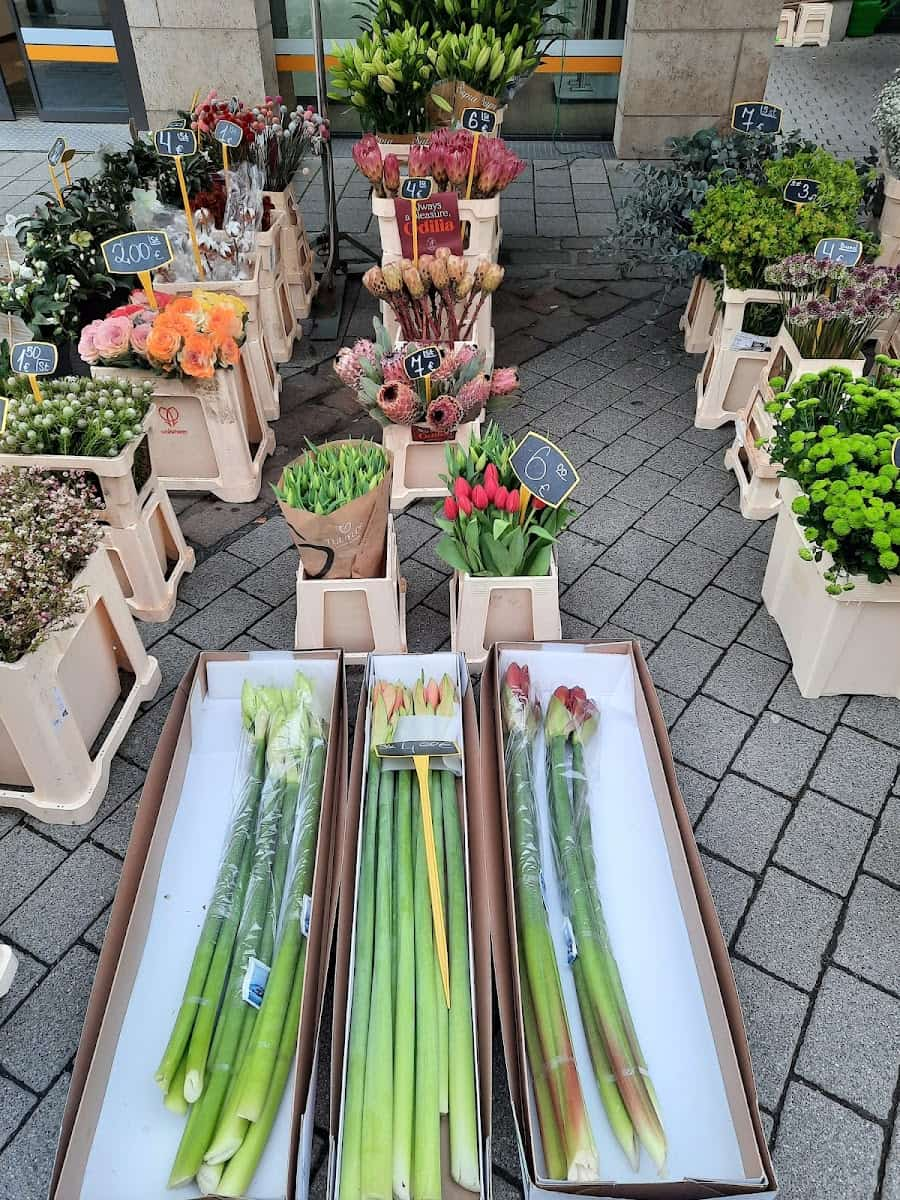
179	144
138	254
4	412
846	251
227	133
54	157
478	120
895	453
755	116
33	359
416	189
419	364
801	191
543	471
177	123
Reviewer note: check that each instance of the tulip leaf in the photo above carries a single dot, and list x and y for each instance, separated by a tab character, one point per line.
500	526
448	549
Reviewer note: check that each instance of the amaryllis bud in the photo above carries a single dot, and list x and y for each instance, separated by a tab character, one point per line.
465	505
479	496
461	488
512	501
451	508
391	173
501	497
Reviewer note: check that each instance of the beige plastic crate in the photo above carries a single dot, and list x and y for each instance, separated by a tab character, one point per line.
55	701
150	558
481	216
494	609
787	23
726	381
418	466
813	26
358	616
296	255
699	316
756	474
786	362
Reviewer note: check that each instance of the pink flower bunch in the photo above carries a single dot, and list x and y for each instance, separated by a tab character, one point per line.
447	159
348	363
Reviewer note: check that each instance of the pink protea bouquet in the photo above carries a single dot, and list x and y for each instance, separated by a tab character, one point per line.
459	391
447	159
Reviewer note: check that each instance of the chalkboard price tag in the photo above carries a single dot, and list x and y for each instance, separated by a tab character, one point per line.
895	453
56	151
755	116
4	412
478	120
422	362
177	123
33	358
416	189
801	191
846	251
421	747
543	470
234	104
229	133
130	253
175	143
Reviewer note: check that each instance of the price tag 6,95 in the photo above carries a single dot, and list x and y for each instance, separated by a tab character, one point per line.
478	120
543	469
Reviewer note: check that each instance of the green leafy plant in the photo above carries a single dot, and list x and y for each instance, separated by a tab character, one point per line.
886	119
328	477
386	75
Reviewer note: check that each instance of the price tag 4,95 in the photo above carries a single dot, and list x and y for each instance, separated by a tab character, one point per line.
543	471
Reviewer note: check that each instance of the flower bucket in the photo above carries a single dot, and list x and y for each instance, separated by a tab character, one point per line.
494	609
418	465
813	25
480	217
206	435
699	316
358	615
731	367
787	363
482	334
756	474
296	256
839	645
55	701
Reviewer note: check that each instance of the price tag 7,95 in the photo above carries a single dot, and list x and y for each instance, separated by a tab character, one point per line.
419	364
755	116
543	470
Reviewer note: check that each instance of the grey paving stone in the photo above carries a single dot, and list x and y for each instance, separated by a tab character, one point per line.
551	361
825	1149
615	353
717	616
579	375
678	458
672	706
264	542
854	1033
688	567
680	662
633	555
277	629
115	832
580	447
27	1162
574	555
707	736
891	1187
661	428
762	538
706	485
63	906
124	779
574	629
788	928
856	770
876	715
824	842
231	614
779	754
28	975
412	532
730	889
41	1036
869	944
763	634
97	932
426	632
606	520
9	819
743	572
696	790
595	595
151	633
27	861
821	713
634	375
276	581
742	823
15	1104
212	577
174	657
745	679
670	519
642	488
421	581
883	858
139	743
651	610
625	454
773	1013
611	423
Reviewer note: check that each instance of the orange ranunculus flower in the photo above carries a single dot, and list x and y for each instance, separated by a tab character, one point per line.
229	352
184	306
198	358
162	344
177	322
223	322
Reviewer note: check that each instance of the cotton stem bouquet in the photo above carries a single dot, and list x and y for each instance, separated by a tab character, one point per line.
439	298
410	1059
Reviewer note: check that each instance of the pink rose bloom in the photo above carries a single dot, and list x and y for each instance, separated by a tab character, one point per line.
138	338
86	347
113	337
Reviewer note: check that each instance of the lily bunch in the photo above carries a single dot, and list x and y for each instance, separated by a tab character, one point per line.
523	18
410	1058
89	417
483	57
439	298
328	477
234	1038
386	75
620	1069
487	530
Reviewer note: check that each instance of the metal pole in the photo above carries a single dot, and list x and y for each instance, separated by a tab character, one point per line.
333	261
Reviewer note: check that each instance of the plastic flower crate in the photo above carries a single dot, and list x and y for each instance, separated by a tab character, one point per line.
206	435
55	701
839	645
481	216
699	316
813	26
418	465
295	252
358	615
787	363
889	222
787	22
492	609
756	474
729	373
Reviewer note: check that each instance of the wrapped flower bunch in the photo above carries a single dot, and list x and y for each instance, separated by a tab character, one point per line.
460	390
487	531
87	417
447	159
425	297
188	336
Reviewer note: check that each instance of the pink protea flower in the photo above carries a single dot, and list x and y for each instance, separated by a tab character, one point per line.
392	369
444	413
391	174
504	380
398	402
367	156
474	394
419	161
348	363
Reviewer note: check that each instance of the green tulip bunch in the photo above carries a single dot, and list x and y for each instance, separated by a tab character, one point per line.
483	58
387	76
328	477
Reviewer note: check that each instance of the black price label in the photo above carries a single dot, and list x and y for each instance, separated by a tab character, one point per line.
422	362
234	104
144	250
755	116
177	123
478	120
846	251
175	143
33	358
416	189
543	469
4	412
229	133
421	747
56	151
68	155
801	191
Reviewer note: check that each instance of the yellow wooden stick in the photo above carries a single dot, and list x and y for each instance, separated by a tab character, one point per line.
475	140
434	886
147	285
415	231
32	379
55	183
427	389
524	497
190	218
225	165
65	167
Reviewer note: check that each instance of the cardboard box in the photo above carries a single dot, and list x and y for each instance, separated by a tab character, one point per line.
406	668
117	1140
664	931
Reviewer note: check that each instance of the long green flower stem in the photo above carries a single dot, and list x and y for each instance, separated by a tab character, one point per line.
594	954
405	991
351	1143
376	1176
427	1141
464	1135
175	1101
554	1156
213	950
443	1014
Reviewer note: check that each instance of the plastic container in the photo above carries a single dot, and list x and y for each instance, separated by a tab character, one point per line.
515	608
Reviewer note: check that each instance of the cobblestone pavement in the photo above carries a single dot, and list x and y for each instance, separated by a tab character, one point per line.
796	803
